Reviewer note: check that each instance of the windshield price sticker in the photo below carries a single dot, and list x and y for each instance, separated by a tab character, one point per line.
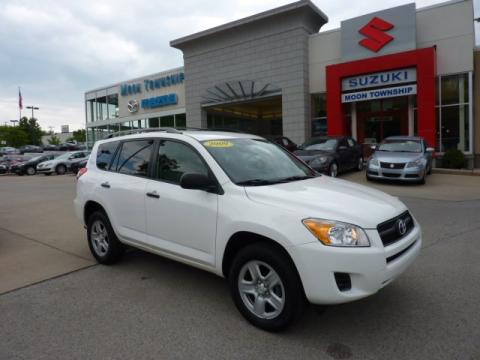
218	143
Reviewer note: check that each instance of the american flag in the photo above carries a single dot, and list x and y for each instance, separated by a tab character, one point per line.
20	99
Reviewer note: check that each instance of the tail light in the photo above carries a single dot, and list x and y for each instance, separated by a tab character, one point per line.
81	172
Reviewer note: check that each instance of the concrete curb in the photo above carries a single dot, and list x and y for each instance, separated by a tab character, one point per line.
474	172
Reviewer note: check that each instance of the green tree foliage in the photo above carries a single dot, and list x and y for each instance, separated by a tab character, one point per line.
54	140
79	135
32	130
13	136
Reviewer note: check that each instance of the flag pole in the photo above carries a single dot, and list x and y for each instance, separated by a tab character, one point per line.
20	105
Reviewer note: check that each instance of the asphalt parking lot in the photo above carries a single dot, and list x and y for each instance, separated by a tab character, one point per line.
56	303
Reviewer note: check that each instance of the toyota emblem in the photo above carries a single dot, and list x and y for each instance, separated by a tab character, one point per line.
392	166
132	106
401	226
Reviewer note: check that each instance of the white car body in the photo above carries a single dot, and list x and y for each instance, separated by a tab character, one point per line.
194	227
50	166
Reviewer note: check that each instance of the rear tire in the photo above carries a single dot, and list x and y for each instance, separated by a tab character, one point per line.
30	171
333	169
359	164
61	169
266	287
102	241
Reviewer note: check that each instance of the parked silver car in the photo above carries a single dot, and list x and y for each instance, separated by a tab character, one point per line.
60	165
404	158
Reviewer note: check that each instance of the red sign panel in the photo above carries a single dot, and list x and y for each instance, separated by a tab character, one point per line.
374	31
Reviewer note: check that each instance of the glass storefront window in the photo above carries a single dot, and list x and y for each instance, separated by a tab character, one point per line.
454	89
180	120
167	121
453	120
319	114
154	122
112	106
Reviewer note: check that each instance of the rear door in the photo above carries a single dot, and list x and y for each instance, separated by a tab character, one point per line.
180	221
344	154
123	185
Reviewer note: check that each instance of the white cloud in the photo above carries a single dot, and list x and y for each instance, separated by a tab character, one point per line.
56	50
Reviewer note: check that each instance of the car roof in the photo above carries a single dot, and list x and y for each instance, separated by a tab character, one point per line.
416	138
199	135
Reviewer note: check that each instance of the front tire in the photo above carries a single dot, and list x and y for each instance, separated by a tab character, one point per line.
102	241
265	287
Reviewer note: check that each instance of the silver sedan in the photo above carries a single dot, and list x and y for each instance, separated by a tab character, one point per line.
404	158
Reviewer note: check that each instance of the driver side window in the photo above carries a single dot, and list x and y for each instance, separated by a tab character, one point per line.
175	159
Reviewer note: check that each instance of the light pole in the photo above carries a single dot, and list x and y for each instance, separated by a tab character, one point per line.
14	121
33	108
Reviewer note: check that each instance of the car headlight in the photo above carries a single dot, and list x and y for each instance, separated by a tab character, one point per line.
336	233
418	162
373	162
319	160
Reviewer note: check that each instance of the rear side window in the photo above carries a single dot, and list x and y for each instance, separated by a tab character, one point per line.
134	157
105	154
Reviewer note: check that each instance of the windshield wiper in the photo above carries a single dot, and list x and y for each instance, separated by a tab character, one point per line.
295	178
256	182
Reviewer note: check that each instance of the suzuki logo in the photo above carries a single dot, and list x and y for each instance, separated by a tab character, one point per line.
375	33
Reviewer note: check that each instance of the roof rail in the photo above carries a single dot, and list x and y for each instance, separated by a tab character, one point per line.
140	131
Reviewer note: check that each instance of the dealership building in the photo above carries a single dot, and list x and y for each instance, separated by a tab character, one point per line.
399	71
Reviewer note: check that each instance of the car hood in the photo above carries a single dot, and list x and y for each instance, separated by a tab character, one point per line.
330	198
396	157
308	155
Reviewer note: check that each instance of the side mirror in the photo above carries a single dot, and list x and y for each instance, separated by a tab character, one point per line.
342	148
430	149
373	147
198	182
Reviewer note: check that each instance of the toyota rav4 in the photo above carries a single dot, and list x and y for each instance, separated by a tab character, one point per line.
247	210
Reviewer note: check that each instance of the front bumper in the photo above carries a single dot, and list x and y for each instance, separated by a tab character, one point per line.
369	268
406	174
44	170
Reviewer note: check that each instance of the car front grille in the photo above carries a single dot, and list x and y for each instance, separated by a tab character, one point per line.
387	165
391	175
395	229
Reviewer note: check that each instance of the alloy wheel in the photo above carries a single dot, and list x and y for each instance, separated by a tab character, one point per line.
30	170
99	236
261	289
333	170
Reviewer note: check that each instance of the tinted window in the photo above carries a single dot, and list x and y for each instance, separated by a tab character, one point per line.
134	157
176	159
105	154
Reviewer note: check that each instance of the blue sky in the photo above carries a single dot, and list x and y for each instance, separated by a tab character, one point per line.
56	50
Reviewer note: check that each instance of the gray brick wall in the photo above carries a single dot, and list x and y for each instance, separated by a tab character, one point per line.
270	51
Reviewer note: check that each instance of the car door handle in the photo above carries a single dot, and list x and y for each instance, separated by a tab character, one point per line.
153	194
105	185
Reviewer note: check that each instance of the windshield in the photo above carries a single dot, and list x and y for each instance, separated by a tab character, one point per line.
36	158
414	146
253	162
63	156
320	144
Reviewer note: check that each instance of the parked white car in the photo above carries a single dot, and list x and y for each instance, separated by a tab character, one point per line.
247	210
61	164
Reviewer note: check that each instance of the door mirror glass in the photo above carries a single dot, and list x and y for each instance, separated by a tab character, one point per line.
198	182
373	147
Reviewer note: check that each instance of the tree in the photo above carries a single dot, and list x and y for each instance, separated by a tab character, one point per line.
32	130
54	140
13	136
79	135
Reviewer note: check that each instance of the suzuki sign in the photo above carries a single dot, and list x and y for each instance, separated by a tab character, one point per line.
380	33
380	79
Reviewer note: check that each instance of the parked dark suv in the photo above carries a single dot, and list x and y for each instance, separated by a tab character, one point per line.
331	155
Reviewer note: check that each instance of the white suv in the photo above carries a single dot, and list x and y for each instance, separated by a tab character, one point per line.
245	209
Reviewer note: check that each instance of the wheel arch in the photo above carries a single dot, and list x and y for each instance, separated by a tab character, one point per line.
242	239
90	207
